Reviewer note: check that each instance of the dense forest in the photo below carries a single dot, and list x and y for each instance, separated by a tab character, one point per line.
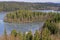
12	6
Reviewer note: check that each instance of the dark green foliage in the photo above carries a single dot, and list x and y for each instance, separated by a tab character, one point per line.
29	36
37	35
52	27
51	22
45	34
56	18
14	32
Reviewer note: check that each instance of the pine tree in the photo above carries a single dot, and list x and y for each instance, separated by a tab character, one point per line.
20	36
24	36
29	36
37	35
5	34
45	34
13	35
14	32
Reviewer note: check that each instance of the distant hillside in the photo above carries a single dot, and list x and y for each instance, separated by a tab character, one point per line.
11	6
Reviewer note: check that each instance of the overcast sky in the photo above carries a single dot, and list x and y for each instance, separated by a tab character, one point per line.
56	1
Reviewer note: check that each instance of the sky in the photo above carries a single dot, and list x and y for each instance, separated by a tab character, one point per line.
55	1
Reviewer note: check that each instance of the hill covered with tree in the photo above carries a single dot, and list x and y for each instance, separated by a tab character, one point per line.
12	6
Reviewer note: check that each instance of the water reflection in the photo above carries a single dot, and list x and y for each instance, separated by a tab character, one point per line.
25	27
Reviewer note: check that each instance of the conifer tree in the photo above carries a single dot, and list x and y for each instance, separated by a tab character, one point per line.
14	32
13	35
5	34
45	34
24	36
29	36
20	35
37	35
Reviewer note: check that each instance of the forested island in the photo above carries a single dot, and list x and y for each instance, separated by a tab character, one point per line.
25	16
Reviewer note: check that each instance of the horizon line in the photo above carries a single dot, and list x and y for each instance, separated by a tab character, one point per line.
29	2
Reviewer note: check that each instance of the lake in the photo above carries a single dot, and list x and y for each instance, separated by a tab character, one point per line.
23	27
45	11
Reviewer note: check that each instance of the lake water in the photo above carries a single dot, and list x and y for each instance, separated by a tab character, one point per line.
45	11
23	27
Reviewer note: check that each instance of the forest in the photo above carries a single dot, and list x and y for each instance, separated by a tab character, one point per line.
25	16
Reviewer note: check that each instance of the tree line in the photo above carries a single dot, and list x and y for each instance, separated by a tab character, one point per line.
14	35
24	16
